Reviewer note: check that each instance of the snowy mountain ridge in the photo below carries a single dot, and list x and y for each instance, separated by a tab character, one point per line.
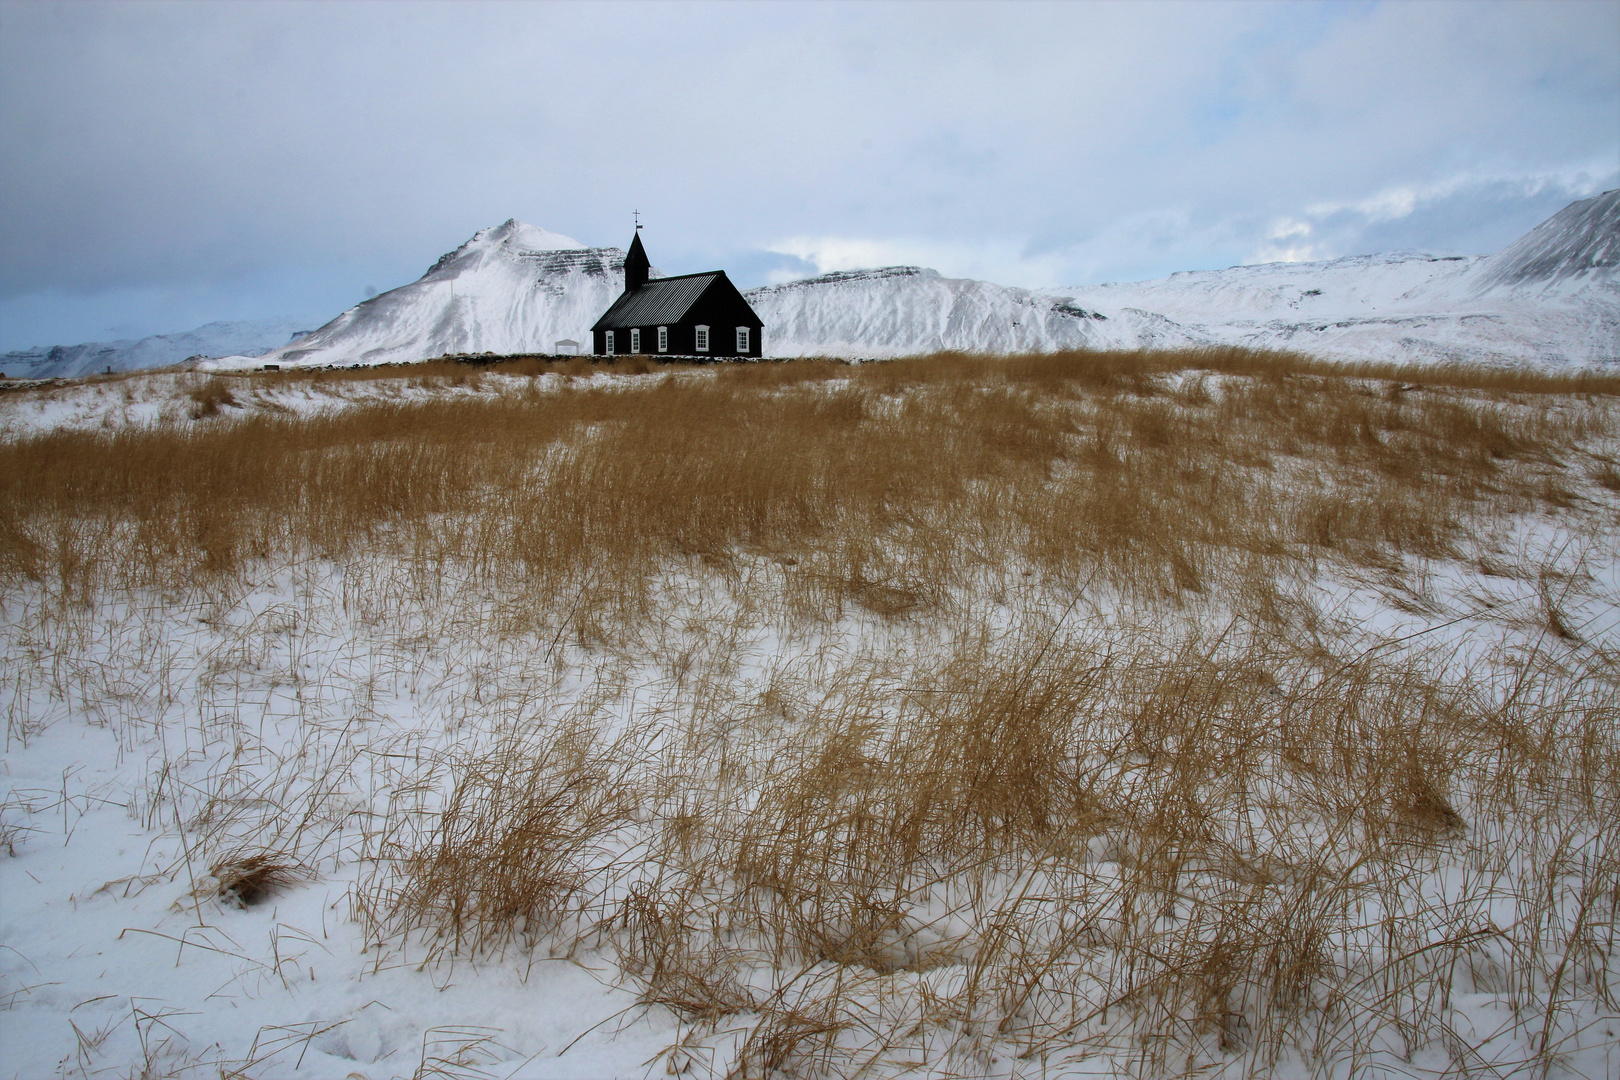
1548	298
1553	296
897	310
1575	248
248	337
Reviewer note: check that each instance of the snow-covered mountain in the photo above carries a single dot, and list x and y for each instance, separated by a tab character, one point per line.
1574	251
906	309
250	337
1551	297
511	289
517	288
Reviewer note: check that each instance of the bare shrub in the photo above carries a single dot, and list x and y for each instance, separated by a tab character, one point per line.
245	879
207	398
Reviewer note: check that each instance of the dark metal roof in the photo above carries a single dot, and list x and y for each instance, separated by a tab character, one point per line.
660	301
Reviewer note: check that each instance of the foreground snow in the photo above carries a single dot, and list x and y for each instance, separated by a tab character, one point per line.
128	721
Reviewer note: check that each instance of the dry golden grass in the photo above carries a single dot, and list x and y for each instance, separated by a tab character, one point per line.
1104	773
1050	839
892	481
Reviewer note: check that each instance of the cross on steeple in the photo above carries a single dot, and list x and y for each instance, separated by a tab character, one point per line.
637	215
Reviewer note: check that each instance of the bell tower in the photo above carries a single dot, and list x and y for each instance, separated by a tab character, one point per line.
636	265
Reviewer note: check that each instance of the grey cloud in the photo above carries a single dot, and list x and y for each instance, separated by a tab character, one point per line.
267	150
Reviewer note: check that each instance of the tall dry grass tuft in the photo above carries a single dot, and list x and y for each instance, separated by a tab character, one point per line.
505	858
1081	835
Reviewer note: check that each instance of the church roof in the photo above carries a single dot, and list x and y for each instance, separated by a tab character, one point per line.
660	301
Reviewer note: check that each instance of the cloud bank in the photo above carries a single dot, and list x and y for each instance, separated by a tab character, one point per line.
166	165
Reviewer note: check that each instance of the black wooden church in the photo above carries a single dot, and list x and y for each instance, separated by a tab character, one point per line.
691	315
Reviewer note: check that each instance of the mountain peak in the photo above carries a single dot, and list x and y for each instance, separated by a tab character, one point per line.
510	237
1582	240
520	237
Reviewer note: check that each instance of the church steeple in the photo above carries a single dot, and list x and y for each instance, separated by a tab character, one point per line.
636	265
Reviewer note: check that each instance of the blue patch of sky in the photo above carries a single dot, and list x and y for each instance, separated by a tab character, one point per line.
1248	87
308	293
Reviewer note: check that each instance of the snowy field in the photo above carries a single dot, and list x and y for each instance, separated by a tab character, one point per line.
1161	714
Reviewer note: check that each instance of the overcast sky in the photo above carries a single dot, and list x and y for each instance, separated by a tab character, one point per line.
163	166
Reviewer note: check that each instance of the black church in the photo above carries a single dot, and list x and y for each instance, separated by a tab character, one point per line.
691	315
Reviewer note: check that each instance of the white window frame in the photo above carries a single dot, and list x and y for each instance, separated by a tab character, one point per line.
635	339
700	339
663	339
742	341
608	338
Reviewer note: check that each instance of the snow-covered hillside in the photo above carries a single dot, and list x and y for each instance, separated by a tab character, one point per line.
249	337
511	289
1552	297
1576	250
906	309
1399	308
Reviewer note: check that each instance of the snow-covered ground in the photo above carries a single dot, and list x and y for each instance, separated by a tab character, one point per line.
312	708
286	715
164	398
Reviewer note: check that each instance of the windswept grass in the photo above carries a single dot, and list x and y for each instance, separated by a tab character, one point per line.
888	484
965	715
